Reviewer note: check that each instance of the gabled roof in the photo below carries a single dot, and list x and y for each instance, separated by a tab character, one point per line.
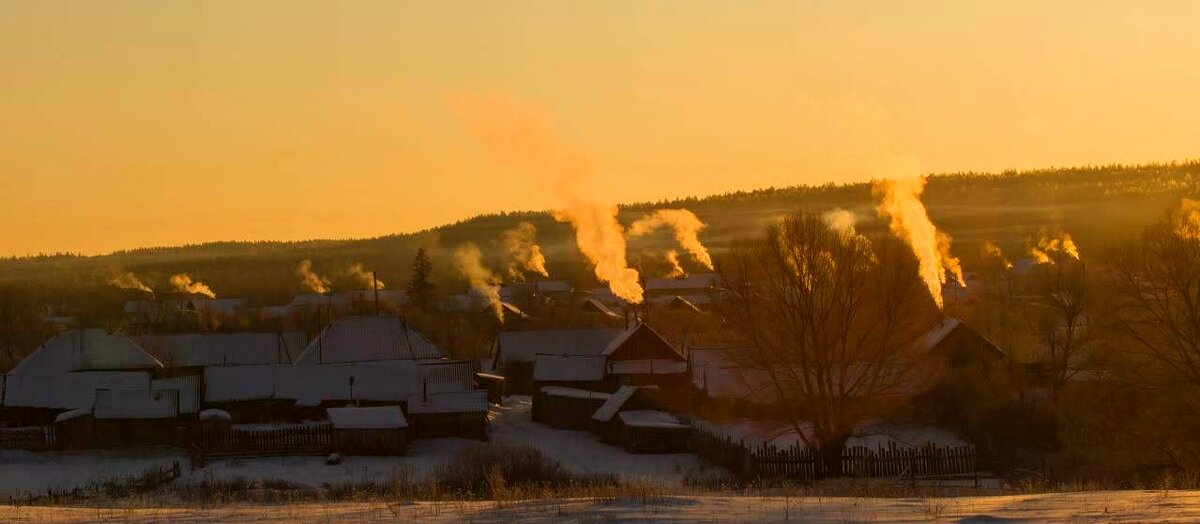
586	368
377	417
369	338
85	350
224	349
524	346
649	339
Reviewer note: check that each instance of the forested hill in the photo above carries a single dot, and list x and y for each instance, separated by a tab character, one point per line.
1096	205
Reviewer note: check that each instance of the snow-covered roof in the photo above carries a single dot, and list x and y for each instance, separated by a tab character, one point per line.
395	297
73	414
224	349
215	414
311	384
85	350
547	286
135	404
377	417
559	391
222	306
474	401
554	368
68	390
610	408
311	299
524	346
369	338
649	418
939	333
654	366
595	306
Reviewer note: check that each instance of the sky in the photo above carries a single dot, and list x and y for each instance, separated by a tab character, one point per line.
147	123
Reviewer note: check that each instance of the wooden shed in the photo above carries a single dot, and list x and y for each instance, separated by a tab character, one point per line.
378	430
566	408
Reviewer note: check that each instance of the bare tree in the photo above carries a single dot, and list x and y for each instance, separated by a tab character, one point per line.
1158	309
832	320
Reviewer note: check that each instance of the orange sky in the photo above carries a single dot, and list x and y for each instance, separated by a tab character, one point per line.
141	123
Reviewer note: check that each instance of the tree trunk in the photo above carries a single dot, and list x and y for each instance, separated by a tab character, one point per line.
829	456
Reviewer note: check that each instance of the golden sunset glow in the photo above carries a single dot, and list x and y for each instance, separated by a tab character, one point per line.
129	124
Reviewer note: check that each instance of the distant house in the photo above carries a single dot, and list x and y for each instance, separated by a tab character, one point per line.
581	371
449	414
693	284
224	307
516	351
371	338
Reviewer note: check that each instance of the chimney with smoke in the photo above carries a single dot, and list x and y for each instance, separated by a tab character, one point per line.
310	279
687	228
365	278
900	202
183	283
469	261
520	243
1052	245
127	280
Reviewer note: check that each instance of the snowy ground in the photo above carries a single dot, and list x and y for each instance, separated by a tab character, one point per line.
23	473
1101	506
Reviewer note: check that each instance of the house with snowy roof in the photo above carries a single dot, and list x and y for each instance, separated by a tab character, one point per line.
102	386
368	338
515	352
197	350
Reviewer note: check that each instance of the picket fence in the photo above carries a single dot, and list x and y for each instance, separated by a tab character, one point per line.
800	463
38	438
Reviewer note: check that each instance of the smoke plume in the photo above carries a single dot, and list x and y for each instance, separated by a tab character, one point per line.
841	220
127	280
991	250
517	133
1049	243
687	228
672	257
521	244
900	201
365	278
310	279
183	283
469	260
1187	219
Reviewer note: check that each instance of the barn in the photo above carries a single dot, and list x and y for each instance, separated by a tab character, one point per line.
449	414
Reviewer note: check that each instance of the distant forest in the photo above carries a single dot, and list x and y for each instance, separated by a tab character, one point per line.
1096	205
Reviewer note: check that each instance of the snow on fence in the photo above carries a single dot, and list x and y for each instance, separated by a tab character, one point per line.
36	438
798	462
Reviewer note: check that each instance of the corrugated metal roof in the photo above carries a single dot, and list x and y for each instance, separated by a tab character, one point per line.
85	350
376	417
224	349
572	368
368	339
474	401
524	346
649	418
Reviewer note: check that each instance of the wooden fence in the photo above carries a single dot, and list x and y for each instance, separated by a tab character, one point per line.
39	438
798	462
314	439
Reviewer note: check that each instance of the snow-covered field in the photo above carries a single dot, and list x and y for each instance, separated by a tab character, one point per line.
1100	506
23	473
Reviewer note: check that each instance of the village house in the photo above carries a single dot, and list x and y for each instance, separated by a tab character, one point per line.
516	351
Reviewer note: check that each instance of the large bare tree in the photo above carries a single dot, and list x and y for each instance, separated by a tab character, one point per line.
832	321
